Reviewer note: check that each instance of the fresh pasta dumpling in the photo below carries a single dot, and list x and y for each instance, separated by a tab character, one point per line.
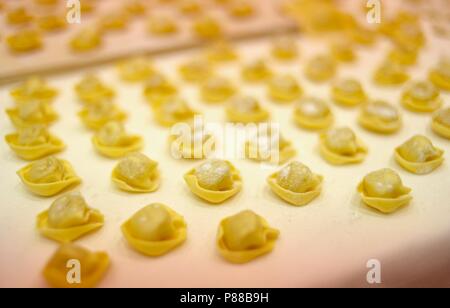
296	184
285	48
24	41
135	69
114	21
245	236
96	115
92	90
48	176
348	92
384	190
93	266
136	173
19	16
284	89
441	122
155	230
159	90
52	23
241	9
173	111
320	68
196	143
380	117
34	88
68	218
266	146
113	141
440	74
390	74
214	180
190	7
421	96
197	70
403	55
33	112
221	51
340	146
86	40
162	25
343	50
217	90
136	7
313	113
256	71
34	142
418	155
246	109
207	28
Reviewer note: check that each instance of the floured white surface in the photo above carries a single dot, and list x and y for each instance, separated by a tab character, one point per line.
327	242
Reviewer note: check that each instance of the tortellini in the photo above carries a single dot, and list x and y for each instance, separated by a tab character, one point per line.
384	191
18	16
175	110
241	9
48	176
113	141
207	28
34	142
86	40
136	7
320	68
256	71
342	51
390	74
34	88
196	143
421	97
197	70
214	181
92	90
284	89
162	25
189	7
418	155
217	89
403	55
24	41
380	117
440	75
266	146
136	173
52	23
245	236
221	51
296	184
68	218
348	92
340	146
93	266
313	113
155	230
159	90
136	69
441	122
96	115
33	112
246	109
285	49
114	21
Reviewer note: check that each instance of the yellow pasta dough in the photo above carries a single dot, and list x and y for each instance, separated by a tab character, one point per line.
214	181
113	141
403	55
241	9
284	89
267	146
92	265
246	109
296	184
92	90
69	218
285	49
155	230
221	51
114	21
173	111
33	88
136	173
418	155
421	96
390	74
86	40
320	68
441	122
348	92
190	7
136	7
340	146
245	236
162	25
24	41
18	16
34	142
342	51
197	70
313	113
384	191
34	112
94	116
217	89
48	176
440	74
380	117
159	90
256	71
207	28
135	69
52	23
